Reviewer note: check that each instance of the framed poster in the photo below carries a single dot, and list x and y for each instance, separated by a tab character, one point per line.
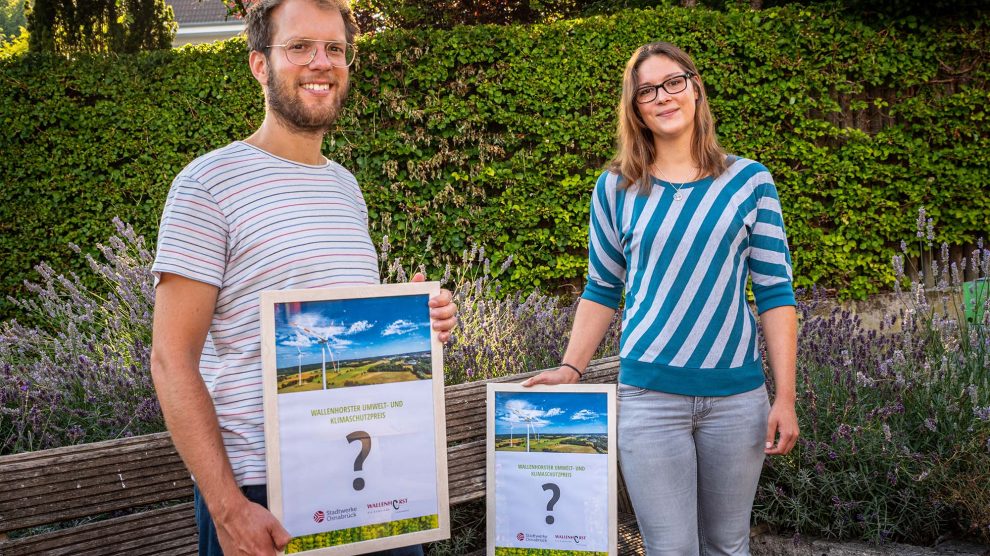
354	417
552	470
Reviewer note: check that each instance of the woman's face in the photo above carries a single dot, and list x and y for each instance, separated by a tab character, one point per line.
669	115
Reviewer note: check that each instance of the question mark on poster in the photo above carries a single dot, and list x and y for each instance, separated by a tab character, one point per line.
365	439
553	499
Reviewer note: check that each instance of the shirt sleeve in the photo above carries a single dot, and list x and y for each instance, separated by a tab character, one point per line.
192	234
769	256
606	262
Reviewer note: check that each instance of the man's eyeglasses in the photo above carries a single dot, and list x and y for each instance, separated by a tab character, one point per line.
302	52
674	85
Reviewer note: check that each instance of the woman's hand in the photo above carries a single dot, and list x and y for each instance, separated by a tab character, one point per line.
782	428
561	375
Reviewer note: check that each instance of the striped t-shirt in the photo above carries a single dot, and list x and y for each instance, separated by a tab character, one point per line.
683	266
247	221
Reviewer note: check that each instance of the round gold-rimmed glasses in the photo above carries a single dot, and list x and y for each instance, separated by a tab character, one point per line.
302	52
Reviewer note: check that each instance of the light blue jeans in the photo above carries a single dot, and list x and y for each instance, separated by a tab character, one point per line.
691	466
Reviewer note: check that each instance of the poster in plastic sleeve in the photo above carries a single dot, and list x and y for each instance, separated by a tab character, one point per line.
551	470
354	418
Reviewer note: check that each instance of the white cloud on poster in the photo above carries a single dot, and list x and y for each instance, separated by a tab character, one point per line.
399	327
584	415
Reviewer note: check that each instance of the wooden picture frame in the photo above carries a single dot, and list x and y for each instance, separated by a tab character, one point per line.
547	491
354	417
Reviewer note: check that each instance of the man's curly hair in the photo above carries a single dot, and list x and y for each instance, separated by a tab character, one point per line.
259	21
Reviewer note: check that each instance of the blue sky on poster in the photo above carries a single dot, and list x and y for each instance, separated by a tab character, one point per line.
551	413
351	328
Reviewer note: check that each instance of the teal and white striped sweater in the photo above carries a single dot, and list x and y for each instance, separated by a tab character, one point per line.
683	266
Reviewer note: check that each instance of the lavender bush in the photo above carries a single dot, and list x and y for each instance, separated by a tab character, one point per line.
79	373
895	421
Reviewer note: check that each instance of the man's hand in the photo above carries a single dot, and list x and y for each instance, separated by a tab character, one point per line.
249	529
782	427
562	375
443	311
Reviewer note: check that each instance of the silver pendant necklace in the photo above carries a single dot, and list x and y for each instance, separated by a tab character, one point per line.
677	187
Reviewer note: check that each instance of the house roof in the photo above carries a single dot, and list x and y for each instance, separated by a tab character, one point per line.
200	12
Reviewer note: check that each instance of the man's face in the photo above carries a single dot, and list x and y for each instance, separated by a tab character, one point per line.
306	98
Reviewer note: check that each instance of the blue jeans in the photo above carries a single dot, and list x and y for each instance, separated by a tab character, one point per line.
210	546
691	465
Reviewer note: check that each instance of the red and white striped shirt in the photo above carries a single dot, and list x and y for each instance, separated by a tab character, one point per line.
246	221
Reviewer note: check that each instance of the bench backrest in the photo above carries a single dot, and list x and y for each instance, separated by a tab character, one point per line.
102	479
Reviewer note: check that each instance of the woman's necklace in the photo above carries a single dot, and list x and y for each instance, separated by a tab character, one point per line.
677	187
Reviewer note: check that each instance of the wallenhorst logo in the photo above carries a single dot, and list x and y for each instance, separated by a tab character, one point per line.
318	516
520	537
395	504
578	539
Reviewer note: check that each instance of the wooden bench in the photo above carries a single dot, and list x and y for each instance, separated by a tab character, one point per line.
133	496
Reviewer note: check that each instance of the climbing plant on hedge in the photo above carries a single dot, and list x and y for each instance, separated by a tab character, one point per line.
494	134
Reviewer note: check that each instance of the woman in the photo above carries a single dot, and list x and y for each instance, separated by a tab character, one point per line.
678	226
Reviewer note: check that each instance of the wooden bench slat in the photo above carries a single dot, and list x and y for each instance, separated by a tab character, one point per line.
103	533
140	497
61	484
53	470
80	452
73	498
181	540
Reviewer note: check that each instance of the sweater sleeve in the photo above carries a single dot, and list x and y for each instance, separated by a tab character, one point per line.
769	256
606	262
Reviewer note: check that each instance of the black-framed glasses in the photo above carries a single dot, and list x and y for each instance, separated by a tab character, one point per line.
302	52
674	85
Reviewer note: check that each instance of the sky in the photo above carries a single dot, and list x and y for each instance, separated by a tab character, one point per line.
352	328
551	413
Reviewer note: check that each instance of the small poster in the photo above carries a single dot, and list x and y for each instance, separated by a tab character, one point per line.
551	470
354	417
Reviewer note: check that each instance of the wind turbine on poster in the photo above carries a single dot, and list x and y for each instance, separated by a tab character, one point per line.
299	362
528	419
324	341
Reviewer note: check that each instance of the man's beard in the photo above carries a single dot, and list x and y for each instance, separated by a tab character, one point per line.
290	110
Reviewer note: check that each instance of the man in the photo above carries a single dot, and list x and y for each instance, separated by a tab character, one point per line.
269	212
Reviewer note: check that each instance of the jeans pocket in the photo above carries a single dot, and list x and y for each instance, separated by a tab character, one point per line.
627	391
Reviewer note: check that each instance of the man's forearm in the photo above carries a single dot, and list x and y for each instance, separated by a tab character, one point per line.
242	526
191	419
183	313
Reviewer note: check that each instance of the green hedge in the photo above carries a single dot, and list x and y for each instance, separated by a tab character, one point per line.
494	135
